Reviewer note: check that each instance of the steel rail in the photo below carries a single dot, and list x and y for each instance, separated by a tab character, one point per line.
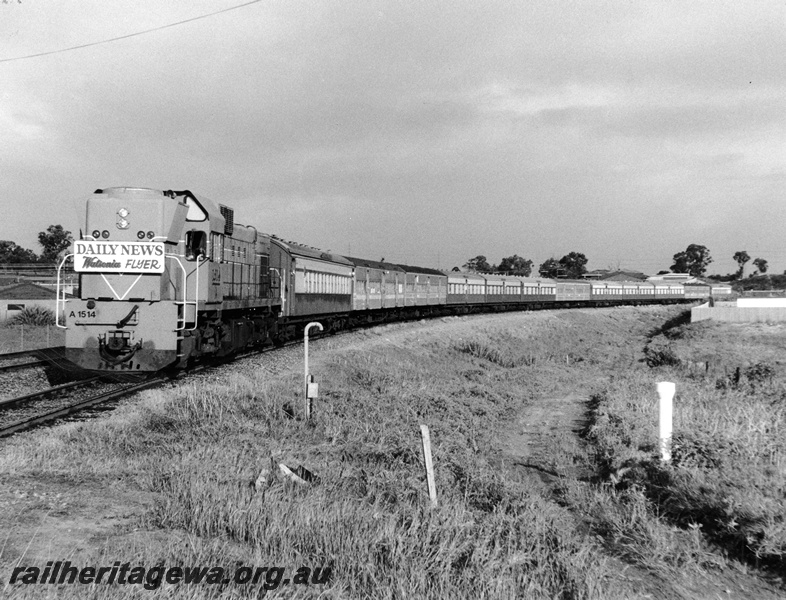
43	393
24	353
76	407
27	365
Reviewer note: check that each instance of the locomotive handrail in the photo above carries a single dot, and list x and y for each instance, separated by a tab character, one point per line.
196	293
57	294
185	302
177	258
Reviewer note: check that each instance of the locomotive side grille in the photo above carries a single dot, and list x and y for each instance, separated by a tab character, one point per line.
229	216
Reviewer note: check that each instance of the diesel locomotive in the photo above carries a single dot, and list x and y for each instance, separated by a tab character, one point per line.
169	276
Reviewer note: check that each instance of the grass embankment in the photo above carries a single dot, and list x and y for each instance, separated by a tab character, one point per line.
723	495
200	448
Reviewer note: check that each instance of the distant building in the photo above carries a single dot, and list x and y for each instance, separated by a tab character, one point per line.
17	297
674	278
626	276
618	275
596	274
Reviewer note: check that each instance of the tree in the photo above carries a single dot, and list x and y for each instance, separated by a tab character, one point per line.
761	266
551	268
11	253
54	240
693	260
478	265
741	257
515	265
575	265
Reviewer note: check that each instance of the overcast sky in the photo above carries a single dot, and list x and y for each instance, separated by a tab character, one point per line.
422	132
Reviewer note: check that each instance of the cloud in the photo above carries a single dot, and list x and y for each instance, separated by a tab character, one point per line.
465	127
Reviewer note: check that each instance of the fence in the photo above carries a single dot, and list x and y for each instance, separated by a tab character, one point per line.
14	338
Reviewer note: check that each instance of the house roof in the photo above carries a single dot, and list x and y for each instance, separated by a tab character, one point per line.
625	276
28	291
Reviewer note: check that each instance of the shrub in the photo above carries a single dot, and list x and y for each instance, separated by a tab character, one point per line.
35	315
661	357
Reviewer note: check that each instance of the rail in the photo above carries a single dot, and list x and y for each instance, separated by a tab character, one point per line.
36	395
20	366
81	405
24	353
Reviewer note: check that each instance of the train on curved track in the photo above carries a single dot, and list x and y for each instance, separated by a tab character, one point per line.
167	277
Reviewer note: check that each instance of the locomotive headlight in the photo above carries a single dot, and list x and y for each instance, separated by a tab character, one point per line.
96	234
122	222
140	235
105	234
150	235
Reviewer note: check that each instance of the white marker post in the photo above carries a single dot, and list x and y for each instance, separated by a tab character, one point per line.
307	380
432	486
666	390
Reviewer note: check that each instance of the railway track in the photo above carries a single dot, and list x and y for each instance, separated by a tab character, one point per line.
24	365
25	353
40	357
31	411
48	405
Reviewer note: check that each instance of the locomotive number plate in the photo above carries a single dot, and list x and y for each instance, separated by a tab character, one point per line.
82	314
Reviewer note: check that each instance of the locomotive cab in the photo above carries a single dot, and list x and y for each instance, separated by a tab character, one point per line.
139	279
164	277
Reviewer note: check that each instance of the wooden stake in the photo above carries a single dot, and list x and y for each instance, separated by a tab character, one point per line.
432	486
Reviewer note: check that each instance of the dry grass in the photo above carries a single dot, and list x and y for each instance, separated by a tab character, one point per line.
201	447
728	474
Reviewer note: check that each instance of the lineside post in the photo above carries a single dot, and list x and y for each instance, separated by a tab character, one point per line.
306	379
666	391
432	486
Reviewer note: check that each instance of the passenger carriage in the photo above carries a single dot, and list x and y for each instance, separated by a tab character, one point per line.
569	290
377	285
466	288
424	286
